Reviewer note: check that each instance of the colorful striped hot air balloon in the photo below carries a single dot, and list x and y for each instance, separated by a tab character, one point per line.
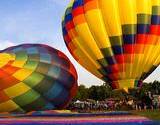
116	40
35	77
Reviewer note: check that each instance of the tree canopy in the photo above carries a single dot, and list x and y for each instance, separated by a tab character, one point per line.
100	93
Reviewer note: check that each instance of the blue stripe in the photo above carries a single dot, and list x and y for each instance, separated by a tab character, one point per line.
64	31
68	18
32	50
54	72
77	3
111	60
155	20
46	58
17	49
61	98
129	39
117	50
142	28
54	91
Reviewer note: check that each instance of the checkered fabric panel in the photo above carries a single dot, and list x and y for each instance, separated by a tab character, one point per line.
117	41
35	77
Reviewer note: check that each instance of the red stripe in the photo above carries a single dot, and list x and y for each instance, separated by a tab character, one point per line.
67	39
119	59
86	1
77	11
114	76
70	25
10	69
155	29
141	38
128	48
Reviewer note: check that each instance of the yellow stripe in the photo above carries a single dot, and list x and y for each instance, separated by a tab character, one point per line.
97	28
19	64
144	6
156	2
22	74
79	44
5	58
17	90
152	56
96	25
157	61
128	83
8	106
110	13
138	58
89	42
127	10
89	65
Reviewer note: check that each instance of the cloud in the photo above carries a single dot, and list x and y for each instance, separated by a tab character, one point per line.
5	44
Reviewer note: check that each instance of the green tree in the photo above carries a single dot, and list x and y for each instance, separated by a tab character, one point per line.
99	92
82	93
156	87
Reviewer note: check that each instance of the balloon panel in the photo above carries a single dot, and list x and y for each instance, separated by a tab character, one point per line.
116	40
35	77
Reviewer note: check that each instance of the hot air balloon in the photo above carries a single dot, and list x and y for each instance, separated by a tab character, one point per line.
35	77
116	40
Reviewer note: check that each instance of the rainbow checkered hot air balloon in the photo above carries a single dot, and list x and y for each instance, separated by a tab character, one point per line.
35	77
116	40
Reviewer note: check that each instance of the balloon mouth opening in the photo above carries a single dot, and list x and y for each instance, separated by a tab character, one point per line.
126	84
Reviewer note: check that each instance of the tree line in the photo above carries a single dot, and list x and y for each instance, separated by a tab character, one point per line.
100	93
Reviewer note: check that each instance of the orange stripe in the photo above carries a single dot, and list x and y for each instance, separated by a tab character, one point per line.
72	46
151	39
79	19
8	82
10	69
91	5
127	58
73	32
138	48
3	97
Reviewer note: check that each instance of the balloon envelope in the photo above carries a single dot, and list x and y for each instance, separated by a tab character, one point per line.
116	40
35	77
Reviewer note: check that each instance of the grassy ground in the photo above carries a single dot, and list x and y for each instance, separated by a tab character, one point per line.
151	114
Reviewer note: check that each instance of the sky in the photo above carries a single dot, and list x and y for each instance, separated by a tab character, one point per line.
39	21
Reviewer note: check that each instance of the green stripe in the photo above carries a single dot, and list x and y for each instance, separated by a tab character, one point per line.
102	71
26	98
136	83
129	29
107	52
144	19
103	62
43	68
156	10
21	55
68	11
37	105
45	85
34	57
32	65
33	79
116	40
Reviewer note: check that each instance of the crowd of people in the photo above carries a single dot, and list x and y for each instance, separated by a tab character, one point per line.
147	102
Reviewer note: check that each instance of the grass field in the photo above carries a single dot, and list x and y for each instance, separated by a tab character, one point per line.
151	114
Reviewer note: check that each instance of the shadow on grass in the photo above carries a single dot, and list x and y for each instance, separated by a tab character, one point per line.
151	114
